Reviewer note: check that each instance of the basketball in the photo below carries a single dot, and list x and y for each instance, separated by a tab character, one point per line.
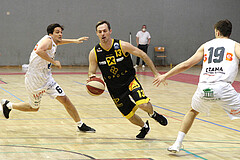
95	86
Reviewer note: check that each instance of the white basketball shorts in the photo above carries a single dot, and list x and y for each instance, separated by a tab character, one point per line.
35	95
221	93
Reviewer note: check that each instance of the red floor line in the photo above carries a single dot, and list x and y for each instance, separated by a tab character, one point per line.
1	82
171	117
22	73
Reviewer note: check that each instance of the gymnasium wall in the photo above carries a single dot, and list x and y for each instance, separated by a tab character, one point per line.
179	25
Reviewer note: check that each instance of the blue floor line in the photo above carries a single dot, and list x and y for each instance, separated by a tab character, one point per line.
218	125
11	94
200	119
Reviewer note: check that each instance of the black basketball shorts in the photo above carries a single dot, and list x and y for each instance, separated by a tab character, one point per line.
128	98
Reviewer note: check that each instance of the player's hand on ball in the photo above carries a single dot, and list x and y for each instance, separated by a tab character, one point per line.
90	77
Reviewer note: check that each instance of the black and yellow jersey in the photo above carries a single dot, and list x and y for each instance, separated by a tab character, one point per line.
115	65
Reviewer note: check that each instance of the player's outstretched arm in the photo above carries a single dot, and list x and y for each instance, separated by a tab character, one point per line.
196	58
237	50
78	41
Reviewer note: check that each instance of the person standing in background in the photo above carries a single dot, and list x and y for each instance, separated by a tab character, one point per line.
143	39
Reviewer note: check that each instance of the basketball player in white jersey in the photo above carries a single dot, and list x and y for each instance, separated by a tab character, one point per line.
39	80
220	66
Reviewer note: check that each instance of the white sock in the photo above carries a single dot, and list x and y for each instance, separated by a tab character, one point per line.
145	125
80	123
9	105
180	138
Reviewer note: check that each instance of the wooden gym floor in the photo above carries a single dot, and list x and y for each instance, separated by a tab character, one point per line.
50	133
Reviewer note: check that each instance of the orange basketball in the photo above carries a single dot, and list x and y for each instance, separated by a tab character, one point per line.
95	86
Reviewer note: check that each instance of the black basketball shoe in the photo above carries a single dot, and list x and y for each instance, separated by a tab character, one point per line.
143	132
85	128
160	118
5	109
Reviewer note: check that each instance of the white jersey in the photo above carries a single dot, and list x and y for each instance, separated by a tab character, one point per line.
39	70
220	63
143	37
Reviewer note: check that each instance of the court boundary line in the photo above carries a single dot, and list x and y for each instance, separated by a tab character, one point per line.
11	94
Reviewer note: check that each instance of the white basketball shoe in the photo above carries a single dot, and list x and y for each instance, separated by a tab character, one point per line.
174	148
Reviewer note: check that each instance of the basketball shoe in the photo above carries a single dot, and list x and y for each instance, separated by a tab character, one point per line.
4	108
174	148
159	118
143	132
85	128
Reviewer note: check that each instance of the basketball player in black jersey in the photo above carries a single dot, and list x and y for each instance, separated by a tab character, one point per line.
113	58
